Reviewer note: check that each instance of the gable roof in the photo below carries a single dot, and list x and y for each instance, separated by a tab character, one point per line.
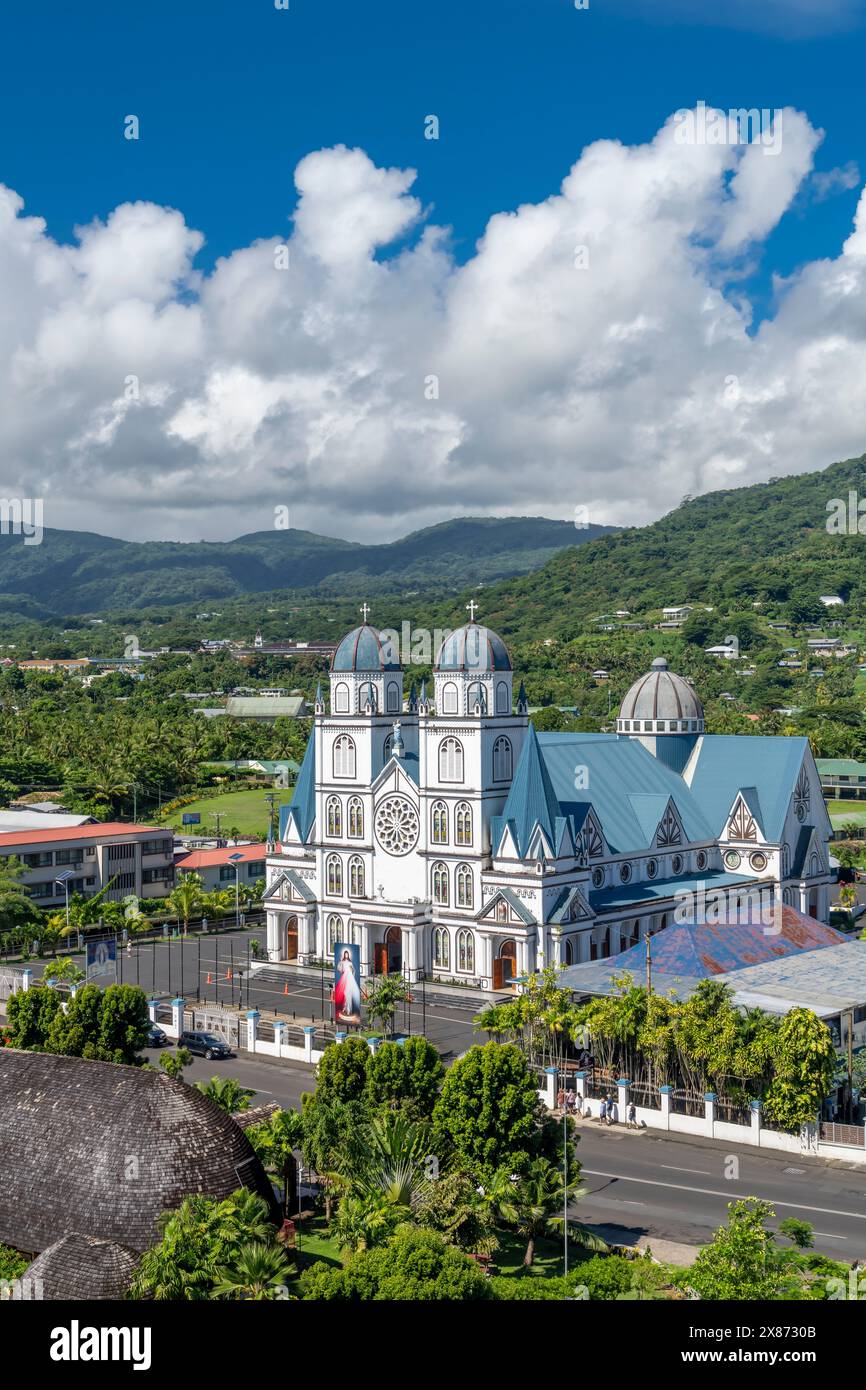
728	763
520	910
301	810
71	1126
531	800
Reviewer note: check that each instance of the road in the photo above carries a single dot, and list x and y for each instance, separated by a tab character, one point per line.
649	1184
216	968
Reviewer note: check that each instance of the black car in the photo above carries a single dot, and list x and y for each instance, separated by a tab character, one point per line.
204	1045
156	1037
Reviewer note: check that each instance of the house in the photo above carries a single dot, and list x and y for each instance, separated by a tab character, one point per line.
677	612
831	600
266	707
842	777
135	859
728	651
216	867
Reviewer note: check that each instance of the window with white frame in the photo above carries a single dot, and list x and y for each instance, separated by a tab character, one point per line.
335	816
449	698
439	823
463	819
450	760
393	698
356	818
335	931
441	948
344	756
502	760
464	885
439	874
356	876
335	875
466	950
503	703
341	698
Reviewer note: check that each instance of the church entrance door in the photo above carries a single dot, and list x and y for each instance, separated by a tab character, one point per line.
505	966
394	947
292	939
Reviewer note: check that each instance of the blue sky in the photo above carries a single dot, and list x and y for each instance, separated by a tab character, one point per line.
233	94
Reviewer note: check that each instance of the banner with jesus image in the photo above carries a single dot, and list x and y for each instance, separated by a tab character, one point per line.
347	982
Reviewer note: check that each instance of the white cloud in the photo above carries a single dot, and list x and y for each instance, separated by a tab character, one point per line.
620	384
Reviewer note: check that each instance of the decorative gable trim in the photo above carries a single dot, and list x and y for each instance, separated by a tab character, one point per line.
742	825
592	836
670	828
802	795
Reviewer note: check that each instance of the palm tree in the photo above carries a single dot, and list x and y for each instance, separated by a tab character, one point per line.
186	896
533	1203
383	998
275	1142
259	1272
226	1093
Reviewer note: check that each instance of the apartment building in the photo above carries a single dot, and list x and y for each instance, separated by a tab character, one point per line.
216	867
135	859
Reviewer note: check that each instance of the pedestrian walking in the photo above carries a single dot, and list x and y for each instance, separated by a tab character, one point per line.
560	1099
602	1111
631	1117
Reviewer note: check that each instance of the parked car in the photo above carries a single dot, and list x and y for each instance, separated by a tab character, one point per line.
156	1037
205	1045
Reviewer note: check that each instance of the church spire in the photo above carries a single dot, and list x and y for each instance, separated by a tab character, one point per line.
522	702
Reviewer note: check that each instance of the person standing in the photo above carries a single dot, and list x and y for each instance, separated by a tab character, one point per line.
602	1111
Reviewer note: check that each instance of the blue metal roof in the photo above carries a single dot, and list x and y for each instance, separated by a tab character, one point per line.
768	766
302	807
531	800
473	648
616	776
362	650
654	890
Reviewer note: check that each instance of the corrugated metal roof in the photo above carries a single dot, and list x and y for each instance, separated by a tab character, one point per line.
726	763
831	980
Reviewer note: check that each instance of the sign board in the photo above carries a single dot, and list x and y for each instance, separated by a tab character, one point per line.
191	818
347	982
101	962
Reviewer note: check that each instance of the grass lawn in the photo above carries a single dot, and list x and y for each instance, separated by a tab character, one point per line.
248	810
840	811
547	1264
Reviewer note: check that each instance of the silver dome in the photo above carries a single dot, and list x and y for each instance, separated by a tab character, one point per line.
661	702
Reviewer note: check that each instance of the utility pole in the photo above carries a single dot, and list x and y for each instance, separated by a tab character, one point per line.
217	816
649	964
271	799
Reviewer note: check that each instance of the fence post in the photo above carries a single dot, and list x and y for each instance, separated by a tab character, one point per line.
550	1087
756	1121
373	1044
622	1086
309	1033
151	1009
177	1008
665	1094
710	1112
580	1083
252	1029
278	1036
339	1037
26	978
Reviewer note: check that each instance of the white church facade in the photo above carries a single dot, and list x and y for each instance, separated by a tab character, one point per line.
450	841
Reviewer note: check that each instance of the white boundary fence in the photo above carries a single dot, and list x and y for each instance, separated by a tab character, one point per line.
824	1141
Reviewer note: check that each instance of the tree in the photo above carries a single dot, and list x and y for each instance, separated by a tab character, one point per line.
65	970
174	1063
109	1025
384	995
798	1232
533	1201
186	897
407	1075
30	1014
414	1265
488	1110
741	1262
275	1141
226	1093
200	1240
333	1142
16	905
257	1271
804	1063
342	1072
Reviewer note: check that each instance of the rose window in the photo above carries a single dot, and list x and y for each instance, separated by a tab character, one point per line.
397	825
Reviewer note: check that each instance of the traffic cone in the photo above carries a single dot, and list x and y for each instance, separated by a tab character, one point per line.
229	975
209	980
286	987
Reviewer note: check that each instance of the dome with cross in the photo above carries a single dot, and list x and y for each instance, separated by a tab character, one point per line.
473	647
362	649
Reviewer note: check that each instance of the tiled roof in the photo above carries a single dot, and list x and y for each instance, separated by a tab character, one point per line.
204	858
84	1267
105	830
108	1148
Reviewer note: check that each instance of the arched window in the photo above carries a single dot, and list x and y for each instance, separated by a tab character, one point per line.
440	883
502	760
335	876
449	698
450	760
503	703
392	704
341	698
465	950
335	931
368	696
344	756
356	818
441	948
356	876
464	823
569	952
439	827
476	695
335	816
464	885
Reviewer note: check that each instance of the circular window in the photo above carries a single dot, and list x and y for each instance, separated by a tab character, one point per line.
625	872
397	825
800	810
652	868
677	863
701	859
597	878
758	860
732	859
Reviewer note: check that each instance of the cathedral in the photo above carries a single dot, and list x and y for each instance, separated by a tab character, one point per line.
450	841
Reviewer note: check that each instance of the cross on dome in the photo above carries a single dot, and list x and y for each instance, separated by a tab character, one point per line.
364	610
472	606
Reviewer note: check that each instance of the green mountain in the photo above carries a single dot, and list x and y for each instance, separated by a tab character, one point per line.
767	544
80	572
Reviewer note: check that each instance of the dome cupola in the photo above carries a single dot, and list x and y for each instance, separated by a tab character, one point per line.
472	671
366	675
661	702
